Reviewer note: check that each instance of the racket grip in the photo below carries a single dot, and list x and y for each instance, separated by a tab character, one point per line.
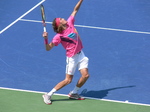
44	29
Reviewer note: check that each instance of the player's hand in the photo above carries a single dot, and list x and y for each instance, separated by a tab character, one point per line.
45	35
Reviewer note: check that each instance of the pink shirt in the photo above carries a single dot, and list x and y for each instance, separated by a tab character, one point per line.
69	39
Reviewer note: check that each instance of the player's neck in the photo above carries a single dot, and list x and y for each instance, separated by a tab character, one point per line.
65	27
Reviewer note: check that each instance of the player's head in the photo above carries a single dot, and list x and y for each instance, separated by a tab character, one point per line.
58	24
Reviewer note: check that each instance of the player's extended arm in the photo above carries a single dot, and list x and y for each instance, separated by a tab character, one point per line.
48	46
76	8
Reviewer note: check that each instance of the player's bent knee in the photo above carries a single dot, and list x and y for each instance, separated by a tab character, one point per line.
86	76
68	81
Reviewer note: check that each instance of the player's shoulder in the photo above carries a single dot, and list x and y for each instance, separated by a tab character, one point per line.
58	35
71	18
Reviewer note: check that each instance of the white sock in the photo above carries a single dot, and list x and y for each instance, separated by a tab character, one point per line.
76	89
52	92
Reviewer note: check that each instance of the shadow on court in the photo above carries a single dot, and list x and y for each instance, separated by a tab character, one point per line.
101	93
64	99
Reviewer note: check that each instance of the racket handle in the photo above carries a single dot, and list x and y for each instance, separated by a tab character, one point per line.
44	28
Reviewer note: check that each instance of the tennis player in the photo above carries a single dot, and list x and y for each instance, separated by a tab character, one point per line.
68	36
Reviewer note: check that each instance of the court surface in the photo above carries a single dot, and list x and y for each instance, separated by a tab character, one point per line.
21	101
116	37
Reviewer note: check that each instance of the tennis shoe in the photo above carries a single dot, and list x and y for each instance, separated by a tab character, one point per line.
47	99
75	96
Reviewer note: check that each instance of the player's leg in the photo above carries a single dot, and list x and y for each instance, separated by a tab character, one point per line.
84	76
83	68
66	81
70	69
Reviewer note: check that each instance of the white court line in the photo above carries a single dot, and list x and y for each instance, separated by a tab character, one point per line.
35	21
84	97
21	17
93	27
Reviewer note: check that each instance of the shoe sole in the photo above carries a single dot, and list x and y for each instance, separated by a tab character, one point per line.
70	97
45	102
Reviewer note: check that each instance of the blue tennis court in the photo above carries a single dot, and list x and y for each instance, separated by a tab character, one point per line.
115	35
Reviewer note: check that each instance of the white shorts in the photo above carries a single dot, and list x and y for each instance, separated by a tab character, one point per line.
79	60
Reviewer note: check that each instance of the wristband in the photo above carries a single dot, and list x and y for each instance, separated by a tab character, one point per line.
45	41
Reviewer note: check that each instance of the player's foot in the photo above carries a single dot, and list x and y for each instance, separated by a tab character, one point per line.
47	99
75	96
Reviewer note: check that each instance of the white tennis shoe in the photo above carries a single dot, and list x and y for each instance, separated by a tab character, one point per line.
47	99
75	96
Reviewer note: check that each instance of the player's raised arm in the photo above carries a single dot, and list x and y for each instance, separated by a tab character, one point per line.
77	7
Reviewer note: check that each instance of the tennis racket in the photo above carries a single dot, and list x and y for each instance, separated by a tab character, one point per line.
43	17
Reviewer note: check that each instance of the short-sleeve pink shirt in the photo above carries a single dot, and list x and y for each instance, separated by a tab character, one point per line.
69	39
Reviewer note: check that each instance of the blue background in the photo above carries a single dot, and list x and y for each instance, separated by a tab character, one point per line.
119	61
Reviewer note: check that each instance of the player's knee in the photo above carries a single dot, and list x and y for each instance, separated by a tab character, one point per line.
86	76
68	81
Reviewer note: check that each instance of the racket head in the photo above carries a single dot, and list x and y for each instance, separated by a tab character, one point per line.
43	14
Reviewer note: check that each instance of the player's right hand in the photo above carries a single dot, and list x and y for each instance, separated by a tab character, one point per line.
45	35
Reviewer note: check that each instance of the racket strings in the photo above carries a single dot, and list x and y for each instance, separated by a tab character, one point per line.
43	15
